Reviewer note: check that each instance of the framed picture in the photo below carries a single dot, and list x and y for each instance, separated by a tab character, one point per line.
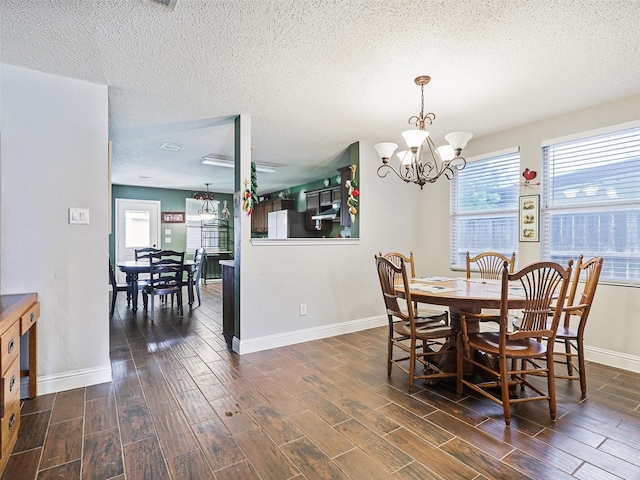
172	217
530	218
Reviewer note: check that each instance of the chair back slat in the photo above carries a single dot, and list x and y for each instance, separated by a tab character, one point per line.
489	264
166	268
143	253
388	273
544	286
198	259
591	271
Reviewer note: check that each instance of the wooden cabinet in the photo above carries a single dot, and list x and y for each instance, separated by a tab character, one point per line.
260	214
18	316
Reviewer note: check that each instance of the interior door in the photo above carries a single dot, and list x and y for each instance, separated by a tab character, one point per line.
137	226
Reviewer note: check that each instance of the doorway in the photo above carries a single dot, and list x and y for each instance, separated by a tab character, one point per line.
137	226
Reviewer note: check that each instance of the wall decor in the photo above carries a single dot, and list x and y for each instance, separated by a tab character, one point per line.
528	176
530	218
172	217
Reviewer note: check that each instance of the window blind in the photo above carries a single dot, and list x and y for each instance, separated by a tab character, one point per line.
194	223
484	207
591	202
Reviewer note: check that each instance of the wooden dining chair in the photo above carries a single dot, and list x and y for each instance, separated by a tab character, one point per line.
541	284
489	264
141	255
432	315
116	287
419	343
199	257
571	330
165	277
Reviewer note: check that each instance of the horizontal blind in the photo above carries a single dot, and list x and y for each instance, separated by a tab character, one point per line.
194	222
591	202
484	207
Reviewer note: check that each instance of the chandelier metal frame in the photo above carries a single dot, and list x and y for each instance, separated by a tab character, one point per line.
423	163
207	212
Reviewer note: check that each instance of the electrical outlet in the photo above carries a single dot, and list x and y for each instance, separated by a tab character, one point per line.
303	309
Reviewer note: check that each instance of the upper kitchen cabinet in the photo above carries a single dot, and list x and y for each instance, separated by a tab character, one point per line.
260	213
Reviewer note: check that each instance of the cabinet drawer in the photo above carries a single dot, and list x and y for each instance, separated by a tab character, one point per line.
9	425
29	318
9	346
11	383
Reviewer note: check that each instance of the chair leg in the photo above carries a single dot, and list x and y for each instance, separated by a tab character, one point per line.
389	349
567	349
551	385
180	302
198	292
504	384
459	364
582	365
152	307
114	294
412	362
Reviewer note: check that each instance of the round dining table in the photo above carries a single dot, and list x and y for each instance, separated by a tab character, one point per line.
460	294
471	295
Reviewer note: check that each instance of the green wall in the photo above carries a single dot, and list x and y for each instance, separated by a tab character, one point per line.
170	201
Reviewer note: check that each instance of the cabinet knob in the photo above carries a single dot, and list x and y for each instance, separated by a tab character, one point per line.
12	383
11	345
12	420
33	314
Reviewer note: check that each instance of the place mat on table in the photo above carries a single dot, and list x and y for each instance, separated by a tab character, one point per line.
431	279
430	288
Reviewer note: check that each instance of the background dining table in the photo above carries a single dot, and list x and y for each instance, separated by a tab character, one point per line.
134	268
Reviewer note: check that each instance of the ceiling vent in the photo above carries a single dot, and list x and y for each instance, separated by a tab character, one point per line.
170	4
172	147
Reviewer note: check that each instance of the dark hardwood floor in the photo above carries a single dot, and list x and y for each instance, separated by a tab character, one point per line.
181	406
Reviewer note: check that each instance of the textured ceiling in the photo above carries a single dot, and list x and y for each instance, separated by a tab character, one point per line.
317	75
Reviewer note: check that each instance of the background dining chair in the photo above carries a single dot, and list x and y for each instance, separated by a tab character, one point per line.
540	284
419	342
140	255
489	264
165	276
396	258
116	287
573	336
199	258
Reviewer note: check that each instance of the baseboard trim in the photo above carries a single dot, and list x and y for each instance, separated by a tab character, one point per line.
289	338
612	359
68	380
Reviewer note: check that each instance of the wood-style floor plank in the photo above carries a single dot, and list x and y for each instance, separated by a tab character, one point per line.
181	405
143	460
102	456
268	460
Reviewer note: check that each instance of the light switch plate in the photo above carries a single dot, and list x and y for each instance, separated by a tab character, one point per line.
167	239
78	216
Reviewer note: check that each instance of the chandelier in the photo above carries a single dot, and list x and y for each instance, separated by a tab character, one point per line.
207	212
423	162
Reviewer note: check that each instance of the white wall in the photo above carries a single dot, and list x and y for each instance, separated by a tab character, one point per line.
54	156
339	284
614	323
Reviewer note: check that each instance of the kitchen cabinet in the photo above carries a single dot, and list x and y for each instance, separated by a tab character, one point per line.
18	316
260	214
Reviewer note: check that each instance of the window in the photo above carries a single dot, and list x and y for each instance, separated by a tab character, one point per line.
591	201
194	224
484	207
